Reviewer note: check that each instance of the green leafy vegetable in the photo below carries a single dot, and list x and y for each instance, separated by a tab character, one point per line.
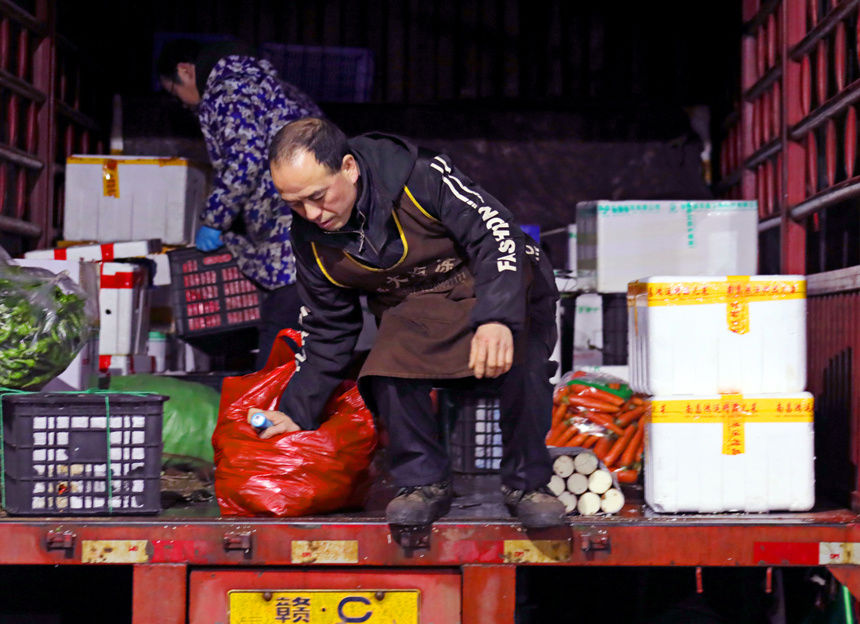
44	322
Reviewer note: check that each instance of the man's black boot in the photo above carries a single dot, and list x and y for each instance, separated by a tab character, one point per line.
420	504
535	509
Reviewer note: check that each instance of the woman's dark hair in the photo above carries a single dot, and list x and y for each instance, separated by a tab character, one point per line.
175	52
318	136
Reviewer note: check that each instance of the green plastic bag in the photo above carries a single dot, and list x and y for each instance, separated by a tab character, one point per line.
189	415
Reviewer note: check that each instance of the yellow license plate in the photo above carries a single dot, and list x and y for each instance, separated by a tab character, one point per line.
324	606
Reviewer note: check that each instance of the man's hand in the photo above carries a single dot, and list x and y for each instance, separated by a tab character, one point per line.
492	351
281	423
208	239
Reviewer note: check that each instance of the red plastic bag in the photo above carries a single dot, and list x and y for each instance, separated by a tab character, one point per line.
293	474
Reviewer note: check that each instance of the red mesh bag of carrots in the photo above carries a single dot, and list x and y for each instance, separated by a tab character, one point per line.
601	413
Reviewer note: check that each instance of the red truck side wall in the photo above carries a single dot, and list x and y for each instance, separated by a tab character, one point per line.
41	124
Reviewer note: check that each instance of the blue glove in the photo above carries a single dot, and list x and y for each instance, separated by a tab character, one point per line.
208	239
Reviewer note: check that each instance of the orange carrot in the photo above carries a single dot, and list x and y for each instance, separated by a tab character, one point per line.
558	414
579	440
602	447
604	420
626	476
590	403
619	446
637	400
555	433
596	393
567	436
629	416
629	453
590	441
640	450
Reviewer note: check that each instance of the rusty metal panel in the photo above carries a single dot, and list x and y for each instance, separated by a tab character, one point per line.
324	551
439	600
114	551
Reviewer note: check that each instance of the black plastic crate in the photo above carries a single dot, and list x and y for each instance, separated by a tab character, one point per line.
614	329
62	454
209	294
475	442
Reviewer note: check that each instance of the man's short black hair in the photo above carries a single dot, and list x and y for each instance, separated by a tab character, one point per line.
174	52
318	136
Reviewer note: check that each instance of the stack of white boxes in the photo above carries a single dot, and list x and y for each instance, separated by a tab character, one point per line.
124	319
616	242
122	290
133	205
724	358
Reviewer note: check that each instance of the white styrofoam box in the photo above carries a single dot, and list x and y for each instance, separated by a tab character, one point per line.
587	358
717	335
105	252
127	198
588	322
618	242
730	453
162	269
588	331
191	359
158	346
80	374
571	248
126	364
566	284
123	308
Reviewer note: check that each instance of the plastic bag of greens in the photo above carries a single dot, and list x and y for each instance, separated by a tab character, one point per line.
45	319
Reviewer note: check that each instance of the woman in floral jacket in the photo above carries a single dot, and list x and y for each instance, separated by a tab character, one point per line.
241	103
